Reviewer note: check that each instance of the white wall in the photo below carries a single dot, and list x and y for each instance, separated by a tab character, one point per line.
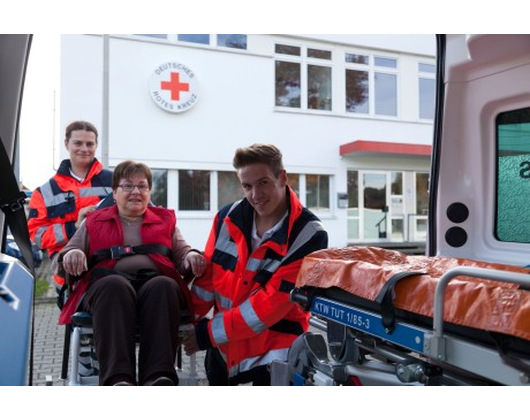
235	108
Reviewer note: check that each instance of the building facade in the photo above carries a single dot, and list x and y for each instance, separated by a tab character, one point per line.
352	115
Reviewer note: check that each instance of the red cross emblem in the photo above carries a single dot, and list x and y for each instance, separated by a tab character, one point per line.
175	87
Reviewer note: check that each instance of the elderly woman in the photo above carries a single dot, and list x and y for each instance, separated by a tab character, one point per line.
134	254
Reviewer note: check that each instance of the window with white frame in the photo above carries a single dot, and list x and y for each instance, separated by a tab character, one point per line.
397	206
357	84
194	190
418	223
294	182
312	190
288	84
422	193
229	188
238	41
353	212
195	38
303	73
318	87
384	196
159	189
426	88
317	193
157	36
371	84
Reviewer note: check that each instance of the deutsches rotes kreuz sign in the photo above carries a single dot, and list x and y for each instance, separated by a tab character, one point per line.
174	87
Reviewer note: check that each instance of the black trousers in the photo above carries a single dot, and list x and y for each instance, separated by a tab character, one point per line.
119	312
217	373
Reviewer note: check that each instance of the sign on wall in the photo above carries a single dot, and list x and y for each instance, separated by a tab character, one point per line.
173	87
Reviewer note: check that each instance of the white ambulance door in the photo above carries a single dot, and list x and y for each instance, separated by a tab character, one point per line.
480	185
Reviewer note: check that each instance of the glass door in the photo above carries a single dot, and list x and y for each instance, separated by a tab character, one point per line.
374	209
377	206
419	223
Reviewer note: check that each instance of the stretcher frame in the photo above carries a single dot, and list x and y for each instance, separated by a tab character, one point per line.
435	345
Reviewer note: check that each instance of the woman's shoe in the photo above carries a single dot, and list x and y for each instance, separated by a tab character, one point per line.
123	383
162	381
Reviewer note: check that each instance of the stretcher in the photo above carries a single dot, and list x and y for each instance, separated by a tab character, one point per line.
397	319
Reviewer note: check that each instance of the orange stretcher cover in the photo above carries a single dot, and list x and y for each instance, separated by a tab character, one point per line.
476	303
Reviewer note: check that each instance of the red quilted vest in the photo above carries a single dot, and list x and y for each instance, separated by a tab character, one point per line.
105	230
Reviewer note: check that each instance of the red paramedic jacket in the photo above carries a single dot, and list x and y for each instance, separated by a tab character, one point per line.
55	205
254	320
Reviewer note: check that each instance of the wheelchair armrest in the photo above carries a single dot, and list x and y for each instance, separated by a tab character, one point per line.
82	319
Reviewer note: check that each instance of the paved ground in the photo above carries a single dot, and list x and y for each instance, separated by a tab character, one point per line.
49	342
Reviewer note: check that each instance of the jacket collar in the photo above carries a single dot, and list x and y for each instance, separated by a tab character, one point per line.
243	214
64	168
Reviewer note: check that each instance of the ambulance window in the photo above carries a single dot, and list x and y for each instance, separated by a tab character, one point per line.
513	176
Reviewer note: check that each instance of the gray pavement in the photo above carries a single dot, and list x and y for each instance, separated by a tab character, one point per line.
49	342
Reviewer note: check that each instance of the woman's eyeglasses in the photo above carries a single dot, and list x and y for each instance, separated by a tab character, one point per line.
143	188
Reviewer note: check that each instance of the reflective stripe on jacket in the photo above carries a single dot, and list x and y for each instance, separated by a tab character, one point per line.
54	206
254	321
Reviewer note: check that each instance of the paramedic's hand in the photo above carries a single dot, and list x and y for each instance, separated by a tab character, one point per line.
196	262
190	342
74	262
82	215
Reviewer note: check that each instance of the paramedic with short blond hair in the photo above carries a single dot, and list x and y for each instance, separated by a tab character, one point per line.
254	252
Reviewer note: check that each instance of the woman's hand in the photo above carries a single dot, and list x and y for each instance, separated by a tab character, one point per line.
74	262
196	261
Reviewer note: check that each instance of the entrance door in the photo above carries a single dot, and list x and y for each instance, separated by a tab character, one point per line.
374	209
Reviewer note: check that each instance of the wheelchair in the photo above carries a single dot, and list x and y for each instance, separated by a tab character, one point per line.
80	366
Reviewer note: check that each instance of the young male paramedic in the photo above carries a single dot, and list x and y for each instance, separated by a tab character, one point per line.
254	253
